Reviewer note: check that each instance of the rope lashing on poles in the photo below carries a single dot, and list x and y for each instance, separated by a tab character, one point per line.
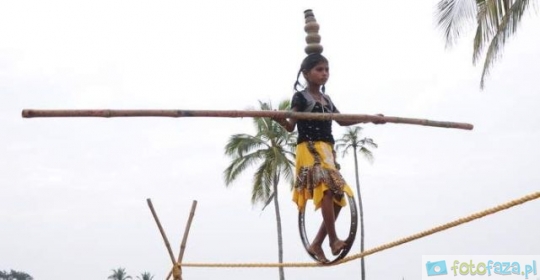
383	247
29	113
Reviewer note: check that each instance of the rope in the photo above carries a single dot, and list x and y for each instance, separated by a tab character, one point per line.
177	272
389	245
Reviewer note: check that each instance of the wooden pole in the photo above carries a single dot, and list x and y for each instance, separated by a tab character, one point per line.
30	113
186	233
163	235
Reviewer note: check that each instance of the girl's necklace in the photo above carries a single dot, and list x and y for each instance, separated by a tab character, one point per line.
319	98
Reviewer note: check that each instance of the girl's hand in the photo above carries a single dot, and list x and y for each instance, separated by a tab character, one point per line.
281	121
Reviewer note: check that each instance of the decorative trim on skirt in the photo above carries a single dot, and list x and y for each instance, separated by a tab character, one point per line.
316	172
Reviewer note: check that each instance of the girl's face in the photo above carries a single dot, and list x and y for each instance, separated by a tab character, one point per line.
319	74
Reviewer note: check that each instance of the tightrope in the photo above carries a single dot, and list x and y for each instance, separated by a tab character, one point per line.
383	247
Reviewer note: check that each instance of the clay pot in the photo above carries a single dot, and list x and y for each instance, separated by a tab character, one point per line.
313	39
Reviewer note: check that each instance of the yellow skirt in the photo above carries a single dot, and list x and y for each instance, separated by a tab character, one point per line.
316	172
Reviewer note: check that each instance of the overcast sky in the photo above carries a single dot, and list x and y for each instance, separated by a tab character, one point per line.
73	191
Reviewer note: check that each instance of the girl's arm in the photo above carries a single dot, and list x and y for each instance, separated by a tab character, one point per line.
348	123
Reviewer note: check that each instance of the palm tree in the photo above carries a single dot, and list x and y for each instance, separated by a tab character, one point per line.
351	139
119	274
496	21
15	275
272	149
145	276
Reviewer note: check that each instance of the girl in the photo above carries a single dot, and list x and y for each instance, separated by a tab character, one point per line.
317	174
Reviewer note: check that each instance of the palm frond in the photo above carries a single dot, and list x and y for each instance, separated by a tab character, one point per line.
284	104
346	138
453	16
507	27
239	164
345	148
487	23
290	140
367	154
355	131
264	128
479	41
272	147
239	144
368	142
284	165
496	21
290	169
268	201
351	140
262	182
263	125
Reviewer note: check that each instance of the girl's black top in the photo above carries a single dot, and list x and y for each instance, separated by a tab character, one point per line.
313	130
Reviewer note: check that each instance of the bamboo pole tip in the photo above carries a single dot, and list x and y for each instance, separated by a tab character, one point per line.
26	113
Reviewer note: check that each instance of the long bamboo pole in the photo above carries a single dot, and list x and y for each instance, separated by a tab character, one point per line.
186	233
30	113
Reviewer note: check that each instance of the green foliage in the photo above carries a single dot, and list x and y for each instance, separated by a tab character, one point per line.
119	274
496	21
145	276
270	150
351	140
15	275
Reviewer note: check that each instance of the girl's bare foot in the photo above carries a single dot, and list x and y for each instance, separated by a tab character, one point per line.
318	252
337	246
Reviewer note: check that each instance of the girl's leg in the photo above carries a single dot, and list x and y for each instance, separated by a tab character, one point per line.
321	234
330	212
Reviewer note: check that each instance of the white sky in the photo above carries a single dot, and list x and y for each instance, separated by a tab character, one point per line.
73	191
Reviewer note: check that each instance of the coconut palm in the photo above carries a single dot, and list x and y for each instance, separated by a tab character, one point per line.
496	21
145	276
351	140
271	149
15	275
119	274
